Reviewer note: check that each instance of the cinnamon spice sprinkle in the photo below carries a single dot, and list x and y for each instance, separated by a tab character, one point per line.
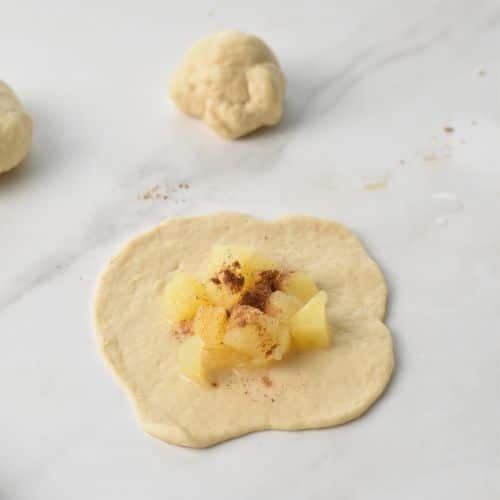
234	281
239	316
269	352
267	283
267	381
230	276
182	330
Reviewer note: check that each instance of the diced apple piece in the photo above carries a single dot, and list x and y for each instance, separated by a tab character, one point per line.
204	364
283	342
282	306
184	294
210	325
249	261
189	356
253	265
300	285
256	334
309	325
222	294
244	339
220	359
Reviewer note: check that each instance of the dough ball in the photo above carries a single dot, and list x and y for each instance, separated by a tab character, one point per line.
232	81
15	130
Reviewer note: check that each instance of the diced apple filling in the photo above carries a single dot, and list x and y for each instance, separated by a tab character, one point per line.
247	312
210	325
300	285
190	358
184	294
309	325
248	262
254	333
282	306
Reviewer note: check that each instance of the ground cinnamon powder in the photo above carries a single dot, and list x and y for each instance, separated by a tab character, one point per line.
182	329
267	283
231	277
233	280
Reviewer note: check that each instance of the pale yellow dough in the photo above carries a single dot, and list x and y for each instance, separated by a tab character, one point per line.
232	81
15	129
315	389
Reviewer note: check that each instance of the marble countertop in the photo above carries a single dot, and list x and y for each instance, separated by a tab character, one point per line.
392	127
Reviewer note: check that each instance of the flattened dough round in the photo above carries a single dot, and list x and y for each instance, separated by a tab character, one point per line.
315	389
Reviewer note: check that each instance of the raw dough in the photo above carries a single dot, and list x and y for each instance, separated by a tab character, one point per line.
15	130
232	81
315	389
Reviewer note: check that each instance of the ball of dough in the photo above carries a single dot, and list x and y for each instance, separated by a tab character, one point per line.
16	130
232	81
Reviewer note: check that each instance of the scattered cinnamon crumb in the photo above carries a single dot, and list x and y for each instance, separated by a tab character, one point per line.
431	157
153	193
239	316
267	381
215	384
233	280
230	276
381	184
273	400
267	283
182	330
448	129
374	186
270	351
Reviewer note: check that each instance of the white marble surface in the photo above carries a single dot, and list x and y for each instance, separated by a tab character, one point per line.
371	86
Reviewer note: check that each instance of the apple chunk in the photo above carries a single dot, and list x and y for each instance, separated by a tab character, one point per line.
231	270
300	285
189	357
210	324
309	325
256	334
282	306
183	295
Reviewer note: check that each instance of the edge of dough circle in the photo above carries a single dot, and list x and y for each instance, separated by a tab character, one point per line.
322	388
